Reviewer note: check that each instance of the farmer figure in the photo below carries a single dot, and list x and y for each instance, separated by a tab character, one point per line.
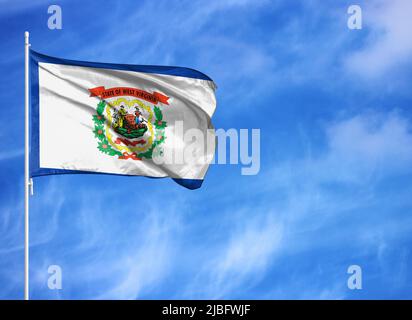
122	114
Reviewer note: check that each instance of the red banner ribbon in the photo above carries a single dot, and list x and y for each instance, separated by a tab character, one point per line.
103	93
132	156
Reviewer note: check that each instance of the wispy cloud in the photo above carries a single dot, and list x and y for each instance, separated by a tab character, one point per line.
147	260
104	258
320	203
389	45
241	258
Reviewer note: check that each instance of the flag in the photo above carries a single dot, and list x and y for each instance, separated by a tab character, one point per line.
89	117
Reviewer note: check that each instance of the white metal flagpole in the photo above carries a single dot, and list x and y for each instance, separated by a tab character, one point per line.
27	180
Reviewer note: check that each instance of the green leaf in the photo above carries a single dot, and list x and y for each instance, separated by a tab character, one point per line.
100	107
158	114
98	135
149	153
160	126
98	121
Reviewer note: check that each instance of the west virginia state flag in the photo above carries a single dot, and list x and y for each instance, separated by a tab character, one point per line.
91	117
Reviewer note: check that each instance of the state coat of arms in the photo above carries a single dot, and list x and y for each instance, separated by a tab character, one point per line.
129	122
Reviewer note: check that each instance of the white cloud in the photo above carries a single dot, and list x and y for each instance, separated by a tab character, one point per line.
142	264
390	43
103	254
249	247
359	150
305	201
241	258
333	196
371	140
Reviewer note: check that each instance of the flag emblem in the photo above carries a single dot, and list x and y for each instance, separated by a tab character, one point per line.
127	127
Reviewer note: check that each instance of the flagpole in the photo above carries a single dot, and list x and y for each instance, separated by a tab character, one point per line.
26	165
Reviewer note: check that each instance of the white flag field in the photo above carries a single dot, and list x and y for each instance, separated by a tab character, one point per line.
151	121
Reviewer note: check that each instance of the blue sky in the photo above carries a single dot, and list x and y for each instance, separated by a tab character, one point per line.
333	106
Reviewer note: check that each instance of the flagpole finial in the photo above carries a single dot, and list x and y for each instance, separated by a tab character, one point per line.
26	37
